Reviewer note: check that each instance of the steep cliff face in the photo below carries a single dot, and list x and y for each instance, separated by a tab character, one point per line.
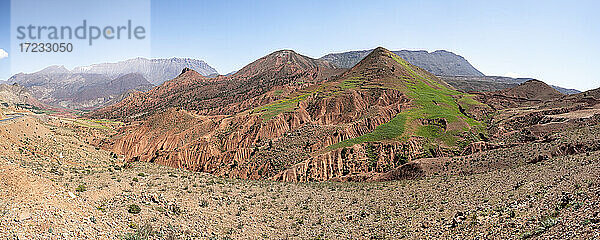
306	126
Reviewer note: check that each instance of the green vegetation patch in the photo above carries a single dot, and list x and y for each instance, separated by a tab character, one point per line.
80	188
134	209
432	100
90	124
278	92
351	83
390	130
285	105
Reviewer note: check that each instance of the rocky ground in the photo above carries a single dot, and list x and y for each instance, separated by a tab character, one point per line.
55	185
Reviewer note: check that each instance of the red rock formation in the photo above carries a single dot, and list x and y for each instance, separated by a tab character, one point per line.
275	119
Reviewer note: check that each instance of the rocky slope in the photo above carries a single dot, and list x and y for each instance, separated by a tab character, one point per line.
441	63
60	87
492	83
55	185
294	122
102	93
16	95
156	71
532	92
290	110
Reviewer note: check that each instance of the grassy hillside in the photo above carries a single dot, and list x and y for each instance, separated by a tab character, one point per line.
436	107
431	100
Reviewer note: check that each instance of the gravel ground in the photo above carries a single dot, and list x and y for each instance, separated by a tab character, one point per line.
54	185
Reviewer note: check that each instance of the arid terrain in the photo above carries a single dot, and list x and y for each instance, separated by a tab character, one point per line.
291	147
56	185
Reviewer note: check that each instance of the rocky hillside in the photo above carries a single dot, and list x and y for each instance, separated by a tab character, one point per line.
60	87
294	122
102	93
532	92
492	83
156	71
15	96
441	63
55	185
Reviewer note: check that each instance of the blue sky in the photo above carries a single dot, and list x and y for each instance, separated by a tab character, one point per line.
554	41
4	37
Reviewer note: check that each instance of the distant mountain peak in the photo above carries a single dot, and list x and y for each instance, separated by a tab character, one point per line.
190	73
382	64
54	69
186	70
284	51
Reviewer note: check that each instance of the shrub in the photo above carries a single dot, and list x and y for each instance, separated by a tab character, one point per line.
141	233
134	209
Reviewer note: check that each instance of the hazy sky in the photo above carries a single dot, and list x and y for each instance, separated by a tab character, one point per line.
554	41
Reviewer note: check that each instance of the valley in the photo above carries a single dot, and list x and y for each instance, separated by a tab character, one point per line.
364	145
79	191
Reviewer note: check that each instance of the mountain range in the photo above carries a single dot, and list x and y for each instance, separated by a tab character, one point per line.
293	118
156	71
94	86
493	83
225	94
289	117
440	63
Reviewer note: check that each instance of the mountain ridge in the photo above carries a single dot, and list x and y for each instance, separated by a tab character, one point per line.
305	126
493	83
192	91
156	70
439	62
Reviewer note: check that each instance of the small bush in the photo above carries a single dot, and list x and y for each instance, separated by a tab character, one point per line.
141	174
80	188
134	209
141	232
135	179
